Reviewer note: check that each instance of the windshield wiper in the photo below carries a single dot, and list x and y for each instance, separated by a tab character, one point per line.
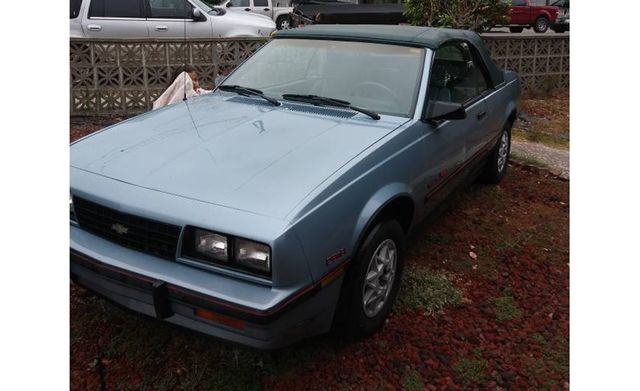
246	91
324	101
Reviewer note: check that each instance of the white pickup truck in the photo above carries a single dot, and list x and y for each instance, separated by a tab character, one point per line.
162	19
279	10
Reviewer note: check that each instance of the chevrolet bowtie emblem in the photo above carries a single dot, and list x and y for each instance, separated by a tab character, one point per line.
119	228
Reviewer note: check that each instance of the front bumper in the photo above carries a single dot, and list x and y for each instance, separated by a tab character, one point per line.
291	316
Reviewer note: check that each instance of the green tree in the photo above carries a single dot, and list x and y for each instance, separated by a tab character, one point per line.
477	15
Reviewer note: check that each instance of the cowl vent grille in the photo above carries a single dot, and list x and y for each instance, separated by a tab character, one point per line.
326	111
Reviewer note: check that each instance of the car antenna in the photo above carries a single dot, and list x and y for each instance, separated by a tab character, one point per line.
184	67
184	49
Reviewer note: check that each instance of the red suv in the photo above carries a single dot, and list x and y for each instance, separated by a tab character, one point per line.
526	13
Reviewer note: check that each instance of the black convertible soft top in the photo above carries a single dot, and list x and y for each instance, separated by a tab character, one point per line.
428	37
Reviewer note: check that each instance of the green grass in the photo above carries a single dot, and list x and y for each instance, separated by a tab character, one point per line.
547	139
413	381
559	355
427	290
528	160
470	371
506	309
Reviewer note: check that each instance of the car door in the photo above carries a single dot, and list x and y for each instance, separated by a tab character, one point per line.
487	124
174	19
451	80
115	19
261	7
519	12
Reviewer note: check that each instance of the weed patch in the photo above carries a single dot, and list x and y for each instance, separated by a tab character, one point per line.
413	381
470	371
506	309
427	290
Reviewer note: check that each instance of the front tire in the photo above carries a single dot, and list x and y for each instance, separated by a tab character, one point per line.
283	22
497	165
373	281
516	29
541	25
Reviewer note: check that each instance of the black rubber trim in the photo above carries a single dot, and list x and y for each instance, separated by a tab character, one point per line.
183	295
161	301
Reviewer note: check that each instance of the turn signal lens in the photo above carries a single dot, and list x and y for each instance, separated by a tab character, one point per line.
217	318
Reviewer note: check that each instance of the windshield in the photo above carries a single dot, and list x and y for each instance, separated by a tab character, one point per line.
378	77
206	5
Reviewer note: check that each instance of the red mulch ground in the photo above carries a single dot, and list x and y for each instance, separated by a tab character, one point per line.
519	231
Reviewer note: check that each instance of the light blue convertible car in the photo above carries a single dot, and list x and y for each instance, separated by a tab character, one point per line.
278	206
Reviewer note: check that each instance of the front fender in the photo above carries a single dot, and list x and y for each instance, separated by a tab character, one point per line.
331	233
374	205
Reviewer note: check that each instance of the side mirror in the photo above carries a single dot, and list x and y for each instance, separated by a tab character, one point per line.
438	110
198	16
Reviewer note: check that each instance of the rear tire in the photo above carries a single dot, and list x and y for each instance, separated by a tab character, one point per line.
541	25
496	167
372	281
516	29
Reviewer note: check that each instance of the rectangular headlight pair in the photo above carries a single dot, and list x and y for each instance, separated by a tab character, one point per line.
227	251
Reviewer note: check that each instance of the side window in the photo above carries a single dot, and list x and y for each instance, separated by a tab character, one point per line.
455	76
75	8
260	3
482	75
116	8
239	3
520	3
170	9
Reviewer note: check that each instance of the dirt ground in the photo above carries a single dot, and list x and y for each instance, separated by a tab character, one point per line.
484	304
544	120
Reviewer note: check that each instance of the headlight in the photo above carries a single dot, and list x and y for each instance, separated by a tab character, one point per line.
253	255
72	212
212	245
213	248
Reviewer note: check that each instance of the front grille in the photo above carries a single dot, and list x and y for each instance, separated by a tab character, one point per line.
131	231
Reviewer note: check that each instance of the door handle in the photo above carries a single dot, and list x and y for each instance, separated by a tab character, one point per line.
247	9
161	28
481	115
266	9
94	27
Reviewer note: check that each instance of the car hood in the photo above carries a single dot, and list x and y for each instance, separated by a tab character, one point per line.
232	151
250	19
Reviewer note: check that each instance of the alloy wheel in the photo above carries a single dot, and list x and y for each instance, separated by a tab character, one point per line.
379	278
503	151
